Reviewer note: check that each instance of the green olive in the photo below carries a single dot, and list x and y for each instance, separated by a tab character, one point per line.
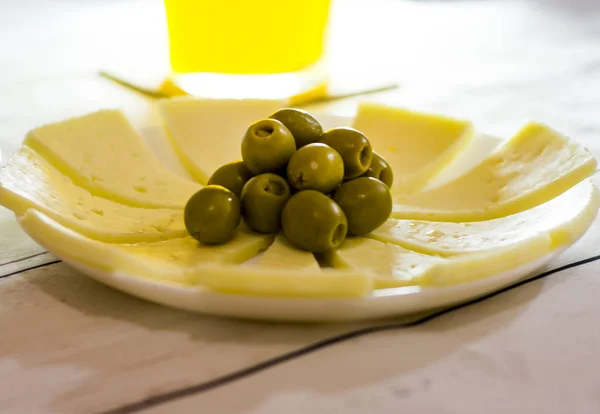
303	126
381	170
315	167
233	176
367	203
263	199
314	222
212	215
354	148
267	146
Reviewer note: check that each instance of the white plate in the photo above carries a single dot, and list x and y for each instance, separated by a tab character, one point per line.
381	303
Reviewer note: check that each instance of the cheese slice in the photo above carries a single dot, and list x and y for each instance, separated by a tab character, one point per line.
207	133
103	153
187	252
306	283
213	275
534	166
418	146
562	218
392	266
389	265
29	181
283	255
484	264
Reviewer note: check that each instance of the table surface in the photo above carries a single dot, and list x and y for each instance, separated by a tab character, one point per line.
71	345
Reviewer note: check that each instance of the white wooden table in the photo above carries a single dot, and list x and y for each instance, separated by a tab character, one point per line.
70	345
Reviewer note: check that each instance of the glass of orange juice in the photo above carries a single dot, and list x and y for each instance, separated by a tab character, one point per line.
238	48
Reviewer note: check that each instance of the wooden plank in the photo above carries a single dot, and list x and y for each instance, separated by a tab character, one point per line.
30	262
15	246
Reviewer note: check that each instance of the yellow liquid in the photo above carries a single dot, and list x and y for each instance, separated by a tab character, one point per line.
245	37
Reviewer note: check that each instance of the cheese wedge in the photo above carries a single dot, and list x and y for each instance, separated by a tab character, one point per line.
418	146
283	255
475	266
104	154
392	266
562	218
187	252
207	133
29	181
254	280
534	166
214	275
388	265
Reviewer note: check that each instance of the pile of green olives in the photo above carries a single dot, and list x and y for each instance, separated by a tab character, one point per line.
316	186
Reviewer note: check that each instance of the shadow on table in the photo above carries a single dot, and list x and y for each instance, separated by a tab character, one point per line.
96	300
411	347
395	362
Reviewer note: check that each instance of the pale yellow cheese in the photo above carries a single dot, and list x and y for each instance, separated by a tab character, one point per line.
254	280
171	260
534	166
283	255
103	153
389	265
207	133
392	266
418	146
189	253
563	218
475	266
29	181
214	275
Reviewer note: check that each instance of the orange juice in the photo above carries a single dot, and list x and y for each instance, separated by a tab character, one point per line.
244	36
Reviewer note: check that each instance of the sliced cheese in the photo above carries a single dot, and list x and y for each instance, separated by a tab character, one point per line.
214	275
475	266
253	280
188	253
392	266
170	260
534	166
388	265
207	133
562	218
283	255
103	153
417	146
29	181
